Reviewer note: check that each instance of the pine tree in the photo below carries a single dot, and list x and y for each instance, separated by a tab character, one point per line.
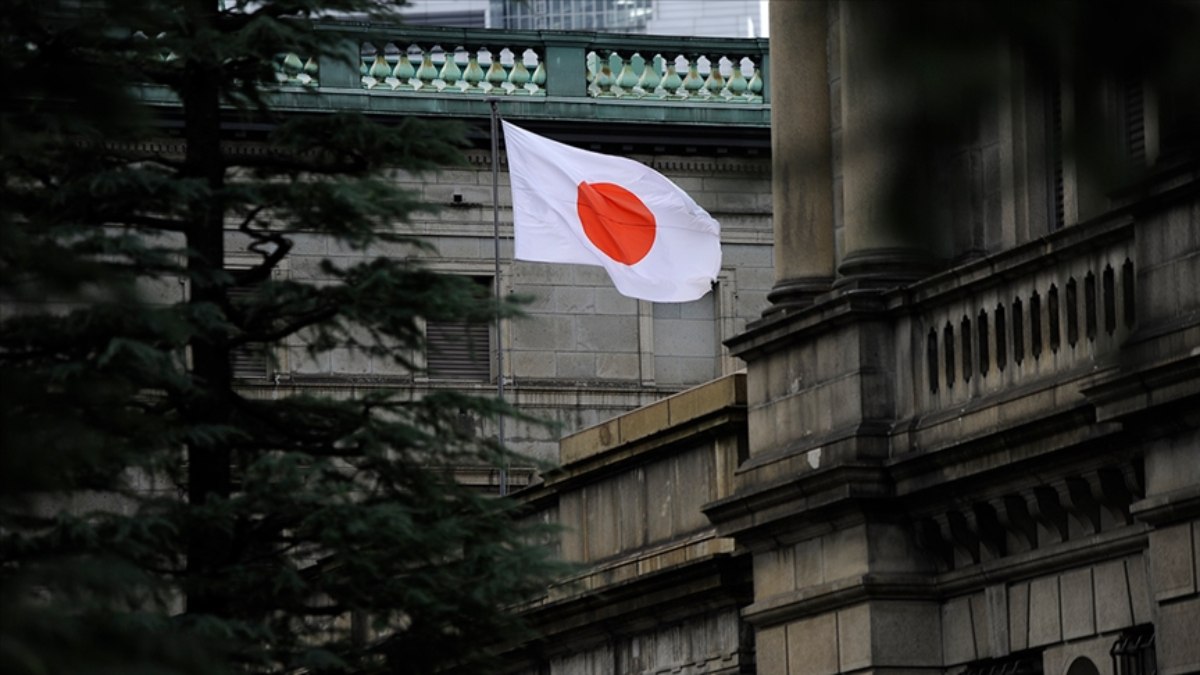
153	518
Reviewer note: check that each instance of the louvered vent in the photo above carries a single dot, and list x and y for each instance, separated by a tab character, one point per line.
458	350
1057	192
249	361
1135	124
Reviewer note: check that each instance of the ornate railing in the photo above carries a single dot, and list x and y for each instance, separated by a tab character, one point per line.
560	75
453	62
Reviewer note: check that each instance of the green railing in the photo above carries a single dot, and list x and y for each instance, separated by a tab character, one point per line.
550	74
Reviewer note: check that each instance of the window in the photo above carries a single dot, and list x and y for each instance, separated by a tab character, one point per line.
1133	652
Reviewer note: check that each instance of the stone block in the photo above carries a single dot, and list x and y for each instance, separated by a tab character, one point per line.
683	370
809	568
708	398
845	553
528	364
609	301
996	596
958	634
344	361
600	513
981	625
774	573
661	488
812	645
578	366
644	421
1045	625
1177	646
618	366
1111	590
630	507
1139	590
570	516
1172	568
589	442
905	634
855	638
575	299
694	480
607	333
1078	604
1018	616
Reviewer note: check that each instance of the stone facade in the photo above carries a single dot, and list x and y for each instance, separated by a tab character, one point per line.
970	448
583	353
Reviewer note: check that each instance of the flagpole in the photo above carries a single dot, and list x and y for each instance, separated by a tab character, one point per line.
496	283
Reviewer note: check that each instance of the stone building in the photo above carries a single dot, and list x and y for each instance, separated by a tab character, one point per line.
583	353
964	444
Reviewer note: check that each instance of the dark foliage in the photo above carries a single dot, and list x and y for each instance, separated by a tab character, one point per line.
153	519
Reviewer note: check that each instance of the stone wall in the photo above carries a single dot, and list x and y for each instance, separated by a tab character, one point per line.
583	353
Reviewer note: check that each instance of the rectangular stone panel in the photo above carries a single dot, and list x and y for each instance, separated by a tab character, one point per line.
1078	605
1113	609
958	632
1173	570
1045	625
1018	616
812	645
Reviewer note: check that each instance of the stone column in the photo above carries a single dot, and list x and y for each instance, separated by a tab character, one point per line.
883	246
801	154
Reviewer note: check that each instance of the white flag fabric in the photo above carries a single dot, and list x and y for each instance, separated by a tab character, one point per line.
575	206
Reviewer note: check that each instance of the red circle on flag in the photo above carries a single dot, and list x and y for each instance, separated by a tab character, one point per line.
616	221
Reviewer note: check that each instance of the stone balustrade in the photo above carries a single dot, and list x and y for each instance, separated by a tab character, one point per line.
1001	325
509	63
552	75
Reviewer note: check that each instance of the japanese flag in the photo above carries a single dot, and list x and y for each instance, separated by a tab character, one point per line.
575	206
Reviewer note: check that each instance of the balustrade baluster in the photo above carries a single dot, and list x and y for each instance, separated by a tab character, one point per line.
756	86
496	75
427	73
714	84
737	83
604	78
539	77
650	81
626	79
672	83
473	75
520	75
404	72
379	72
450	73
693	84
312	70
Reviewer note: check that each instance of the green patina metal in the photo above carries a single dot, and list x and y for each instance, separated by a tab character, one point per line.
536	75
